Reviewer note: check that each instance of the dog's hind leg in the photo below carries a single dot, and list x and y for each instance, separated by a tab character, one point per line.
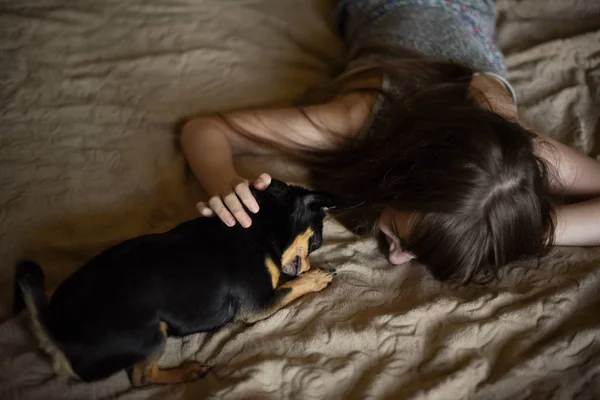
147	372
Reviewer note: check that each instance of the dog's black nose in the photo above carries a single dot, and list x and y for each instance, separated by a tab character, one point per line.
297	265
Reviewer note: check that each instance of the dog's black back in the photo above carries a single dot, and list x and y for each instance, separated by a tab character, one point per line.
195	277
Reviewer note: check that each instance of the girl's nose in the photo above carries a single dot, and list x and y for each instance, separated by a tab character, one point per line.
396	255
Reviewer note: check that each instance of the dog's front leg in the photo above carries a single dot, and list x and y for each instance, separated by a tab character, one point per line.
313	280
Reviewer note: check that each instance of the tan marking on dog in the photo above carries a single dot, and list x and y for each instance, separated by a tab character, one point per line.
187	372
298	248
147	372
314	280
60	363
163	327
273	272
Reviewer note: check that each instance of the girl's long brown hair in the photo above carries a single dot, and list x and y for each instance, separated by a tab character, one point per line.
481	193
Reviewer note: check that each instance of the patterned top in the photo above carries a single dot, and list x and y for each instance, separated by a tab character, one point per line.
455	30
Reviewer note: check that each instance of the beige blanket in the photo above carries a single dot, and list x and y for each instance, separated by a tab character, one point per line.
91	92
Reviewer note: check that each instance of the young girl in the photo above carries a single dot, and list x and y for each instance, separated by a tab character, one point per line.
422	127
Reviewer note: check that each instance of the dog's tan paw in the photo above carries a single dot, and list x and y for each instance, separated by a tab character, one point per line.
318	279
192	371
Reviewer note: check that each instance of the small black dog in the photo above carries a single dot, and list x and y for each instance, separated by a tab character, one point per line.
116	311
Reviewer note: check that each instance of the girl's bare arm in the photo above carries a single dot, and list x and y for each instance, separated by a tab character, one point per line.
209	144
578	224
577	177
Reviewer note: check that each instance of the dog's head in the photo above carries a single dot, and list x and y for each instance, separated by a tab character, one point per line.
295	216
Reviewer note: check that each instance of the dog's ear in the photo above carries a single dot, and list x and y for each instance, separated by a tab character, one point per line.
323	201
276	189
277	186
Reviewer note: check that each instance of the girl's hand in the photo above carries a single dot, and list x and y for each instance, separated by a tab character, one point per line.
228	205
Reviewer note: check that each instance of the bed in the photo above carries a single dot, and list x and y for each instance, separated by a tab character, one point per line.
91	93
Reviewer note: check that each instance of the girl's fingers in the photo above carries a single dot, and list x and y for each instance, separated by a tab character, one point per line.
243	192
235	207
204	209
216	204
230	208
263	181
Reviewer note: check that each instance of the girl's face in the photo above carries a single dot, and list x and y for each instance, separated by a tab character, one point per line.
395	225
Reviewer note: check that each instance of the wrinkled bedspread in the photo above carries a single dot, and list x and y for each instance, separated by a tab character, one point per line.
91	92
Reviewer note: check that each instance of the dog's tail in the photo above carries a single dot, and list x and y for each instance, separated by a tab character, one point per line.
29	293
